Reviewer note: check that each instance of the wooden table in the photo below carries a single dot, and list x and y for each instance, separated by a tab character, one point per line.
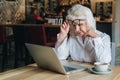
32	72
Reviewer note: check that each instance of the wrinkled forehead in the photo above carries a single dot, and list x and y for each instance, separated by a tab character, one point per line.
75	21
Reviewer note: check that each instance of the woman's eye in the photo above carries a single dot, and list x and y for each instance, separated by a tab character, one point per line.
80	24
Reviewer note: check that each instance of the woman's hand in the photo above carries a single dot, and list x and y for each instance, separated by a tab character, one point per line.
64	29
91	33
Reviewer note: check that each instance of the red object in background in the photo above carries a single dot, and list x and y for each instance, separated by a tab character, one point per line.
38	36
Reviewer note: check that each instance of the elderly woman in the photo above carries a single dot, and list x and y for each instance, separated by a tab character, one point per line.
79	38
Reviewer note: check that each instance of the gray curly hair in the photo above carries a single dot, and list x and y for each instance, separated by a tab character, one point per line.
81	12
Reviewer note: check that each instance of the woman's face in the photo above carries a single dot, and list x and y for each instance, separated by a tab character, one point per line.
79	27
35	11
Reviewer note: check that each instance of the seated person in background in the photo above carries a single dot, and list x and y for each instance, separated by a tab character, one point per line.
79	39
37	18
61	12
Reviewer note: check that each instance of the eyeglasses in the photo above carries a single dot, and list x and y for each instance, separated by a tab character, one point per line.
75	22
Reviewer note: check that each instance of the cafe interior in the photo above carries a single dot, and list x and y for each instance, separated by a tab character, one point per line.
19	26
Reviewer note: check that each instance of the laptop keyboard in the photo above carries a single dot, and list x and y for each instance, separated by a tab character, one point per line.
69	68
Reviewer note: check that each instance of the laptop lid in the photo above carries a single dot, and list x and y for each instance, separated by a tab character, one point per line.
46	58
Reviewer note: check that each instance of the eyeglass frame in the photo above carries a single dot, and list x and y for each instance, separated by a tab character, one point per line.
73	22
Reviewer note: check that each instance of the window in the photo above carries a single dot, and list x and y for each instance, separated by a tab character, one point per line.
104	9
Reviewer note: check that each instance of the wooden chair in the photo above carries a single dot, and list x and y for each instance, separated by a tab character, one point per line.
38	36
6	45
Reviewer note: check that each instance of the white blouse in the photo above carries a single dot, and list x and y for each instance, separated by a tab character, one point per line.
93	49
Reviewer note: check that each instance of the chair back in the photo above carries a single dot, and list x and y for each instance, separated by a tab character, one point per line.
37	35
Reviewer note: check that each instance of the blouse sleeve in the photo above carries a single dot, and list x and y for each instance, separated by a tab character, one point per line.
102	49
62	49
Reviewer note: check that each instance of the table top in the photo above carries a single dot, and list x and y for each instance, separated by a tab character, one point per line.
28	25
32	72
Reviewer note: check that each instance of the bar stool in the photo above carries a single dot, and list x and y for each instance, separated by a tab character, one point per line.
6	45
21	36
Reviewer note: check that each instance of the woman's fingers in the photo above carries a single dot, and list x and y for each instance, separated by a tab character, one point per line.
87	32
65	25
64	28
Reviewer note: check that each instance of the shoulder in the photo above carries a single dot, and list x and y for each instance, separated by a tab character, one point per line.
102	34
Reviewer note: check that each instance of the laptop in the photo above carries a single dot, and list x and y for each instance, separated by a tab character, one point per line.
46	58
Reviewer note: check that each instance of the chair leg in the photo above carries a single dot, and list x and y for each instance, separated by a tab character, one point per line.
4	48
10	48
18	54
28	58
